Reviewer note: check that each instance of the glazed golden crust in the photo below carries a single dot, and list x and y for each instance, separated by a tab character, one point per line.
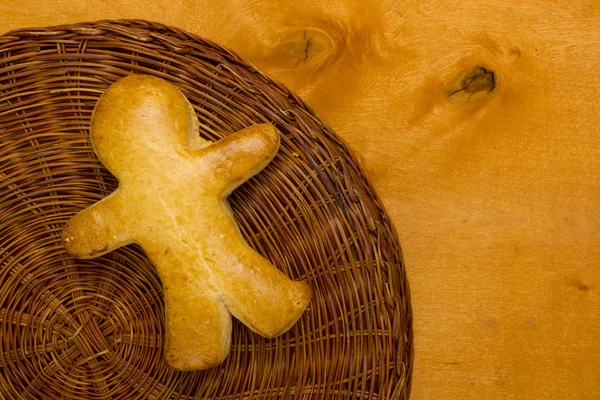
172	201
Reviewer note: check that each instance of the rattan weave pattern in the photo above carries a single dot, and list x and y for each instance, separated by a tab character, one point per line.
93	329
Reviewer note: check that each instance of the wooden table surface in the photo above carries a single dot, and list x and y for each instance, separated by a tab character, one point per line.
492	177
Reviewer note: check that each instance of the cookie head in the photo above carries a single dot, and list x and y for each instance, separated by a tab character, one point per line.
140	120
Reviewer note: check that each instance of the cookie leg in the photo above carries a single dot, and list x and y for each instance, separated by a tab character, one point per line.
198	325
261	296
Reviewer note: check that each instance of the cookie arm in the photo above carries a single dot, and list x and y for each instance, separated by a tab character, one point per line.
97	229
236	158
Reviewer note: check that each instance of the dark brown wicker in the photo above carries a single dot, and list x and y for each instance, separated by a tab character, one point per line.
93	329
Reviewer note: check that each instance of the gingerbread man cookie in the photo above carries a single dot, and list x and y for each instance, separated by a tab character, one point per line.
172	201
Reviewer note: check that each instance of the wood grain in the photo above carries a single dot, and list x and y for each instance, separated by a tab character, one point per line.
495	195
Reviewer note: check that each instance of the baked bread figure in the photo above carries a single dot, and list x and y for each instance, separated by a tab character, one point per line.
172	201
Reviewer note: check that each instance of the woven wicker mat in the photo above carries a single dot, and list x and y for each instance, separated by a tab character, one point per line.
93	329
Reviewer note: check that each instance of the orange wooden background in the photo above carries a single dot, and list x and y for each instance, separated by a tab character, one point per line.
496	202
